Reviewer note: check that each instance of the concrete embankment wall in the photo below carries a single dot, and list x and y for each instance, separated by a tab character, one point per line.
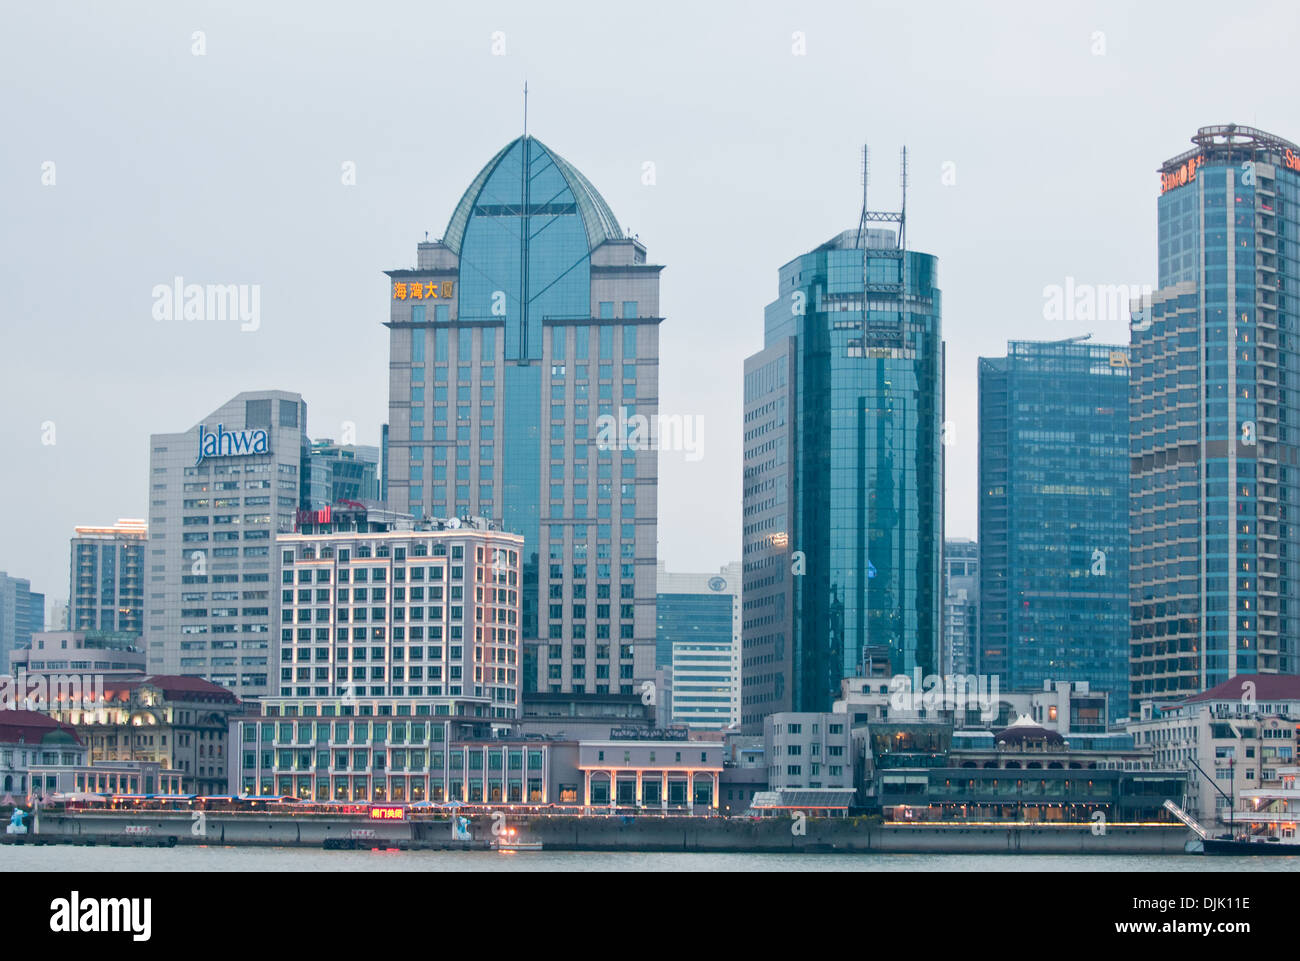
311	831
626	834
846	835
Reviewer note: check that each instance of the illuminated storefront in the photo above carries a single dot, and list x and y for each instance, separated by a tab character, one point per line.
396	750
648	774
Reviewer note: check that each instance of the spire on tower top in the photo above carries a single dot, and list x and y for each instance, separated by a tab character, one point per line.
869	216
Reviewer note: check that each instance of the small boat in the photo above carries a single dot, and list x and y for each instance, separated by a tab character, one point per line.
518	845
510	841
1250	847
1267	815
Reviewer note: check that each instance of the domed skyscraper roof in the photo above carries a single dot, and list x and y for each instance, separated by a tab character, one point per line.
597	218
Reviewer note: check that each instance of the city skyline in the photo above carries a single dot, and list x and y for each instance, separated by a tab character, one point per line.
969	195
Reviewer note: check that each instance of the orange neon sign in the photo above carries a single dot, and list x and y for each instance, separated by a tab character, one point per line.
419	291
1291	159
1184	173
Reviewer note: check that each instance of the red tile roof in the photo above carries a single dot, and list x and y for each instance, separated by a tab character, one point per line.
31	727
1267	687
173	686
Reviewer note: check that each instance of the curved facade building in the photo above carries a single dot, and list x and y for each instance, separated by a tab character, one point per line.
1215	450
531	319
843	484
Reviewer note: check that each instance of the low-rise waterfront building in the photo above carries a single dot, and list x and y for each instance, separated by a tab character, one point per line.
905	734
744	772
178	722
810	802
1024	772
396	749
668	774
1233	738
808	750
108	777
33	747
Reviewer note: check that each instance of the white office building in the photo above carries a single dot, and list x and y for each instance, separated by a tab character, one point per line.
219	493
401	612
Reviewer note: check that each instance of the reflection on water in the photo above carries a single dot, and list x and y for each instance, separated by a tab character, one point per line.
70	858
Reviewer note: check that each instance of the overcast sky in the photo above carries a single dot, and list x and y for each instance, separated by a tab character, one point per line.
1034	131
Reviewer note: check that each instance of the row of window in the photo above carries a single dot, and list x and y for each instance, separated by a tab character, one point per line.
398	760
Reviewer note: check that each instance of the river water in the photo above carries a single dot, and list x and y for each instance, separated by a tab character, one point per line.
207	859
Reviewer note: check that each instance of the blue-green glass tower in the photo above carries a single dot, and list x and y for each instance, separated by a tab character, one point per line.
530	320
1214	448
843	484
1053	517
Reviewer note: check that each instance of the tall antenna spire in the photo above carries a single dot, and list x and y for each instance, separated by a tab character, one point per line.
870	216
902	214
866	177
525	108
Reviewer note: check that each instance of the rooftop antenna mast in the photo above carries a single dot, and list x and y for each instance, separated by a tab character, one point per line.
870	216
525	108
866	176
878	295
902	241
902	215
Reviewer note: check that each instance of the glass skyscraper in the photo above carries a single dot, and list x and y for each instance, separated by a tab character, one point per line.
1215	413
1053	517
533	321
843	473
